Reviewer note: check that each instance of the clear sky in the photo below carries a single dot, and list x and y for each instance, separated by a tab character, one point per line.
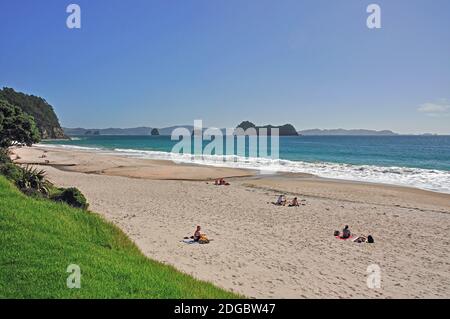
312	63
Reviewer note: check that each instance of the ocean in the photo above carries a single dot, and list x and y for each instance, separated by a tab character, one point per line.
416	161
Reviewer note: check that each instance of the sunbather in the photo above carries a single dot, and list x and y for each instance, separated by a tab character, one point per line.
346	232
197	234
281	201
360	239
294	203
221	182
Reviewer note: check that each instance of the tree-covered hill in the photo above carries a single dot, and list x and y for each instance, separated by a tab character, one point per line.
42	112
284	130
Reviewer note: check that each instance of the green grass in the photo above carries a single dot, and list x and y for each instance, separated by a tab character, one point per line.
39	239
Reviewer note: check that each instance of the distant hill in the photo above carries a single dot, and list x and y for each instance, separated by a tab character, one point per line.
108	131
43	113
284	130
123	131
343	132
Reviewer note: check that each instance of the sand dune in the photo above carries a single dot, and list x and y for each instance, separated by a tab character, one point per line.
261	250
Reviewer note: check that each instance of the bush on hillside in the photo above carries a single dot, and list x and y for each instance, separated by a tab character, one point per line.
4	157
32	182
73	197
34	179
11	171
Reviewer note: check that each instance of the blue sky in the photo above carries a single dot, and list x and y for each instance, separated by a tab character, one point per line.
312	63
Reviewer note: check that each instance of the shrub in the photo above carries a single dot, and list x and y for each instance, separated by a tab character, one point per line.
73	197
11	172
32	182
32	178
4	157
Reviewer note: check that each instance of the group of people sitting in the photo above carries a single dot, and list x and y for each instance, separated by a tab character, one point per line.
346	234
200	238
282	201
221	182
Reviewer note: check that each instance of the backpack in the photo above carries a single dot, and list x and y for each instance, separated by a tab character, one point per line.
203	240
370	239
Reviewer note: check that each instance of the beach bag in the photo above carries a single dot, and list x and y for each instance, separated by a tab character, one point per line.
336	233
370	239
203	240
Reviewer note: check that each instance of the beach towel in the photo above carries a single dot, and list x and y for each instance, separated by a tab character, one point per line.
339	237
189	241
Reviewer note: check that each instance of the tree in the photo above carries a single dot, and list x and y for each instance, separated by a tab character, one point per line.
42	112
16	127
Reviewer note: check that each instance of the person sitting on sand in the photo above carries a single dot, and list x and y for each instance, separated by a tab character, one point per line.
197	234
281	201
294	203
346	232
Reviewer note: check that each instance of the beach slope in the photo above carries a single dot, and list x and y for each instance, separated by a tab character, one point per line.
259	249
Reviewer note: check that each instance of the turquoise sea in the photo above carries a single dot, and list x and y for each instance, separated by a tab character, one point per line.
418	161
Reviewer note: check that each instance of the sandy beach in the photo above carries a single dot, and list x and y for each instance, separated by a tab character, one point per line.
261	250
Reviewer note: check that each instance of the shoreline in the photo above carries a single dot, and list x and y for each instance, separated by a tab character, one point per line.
252	171
142	168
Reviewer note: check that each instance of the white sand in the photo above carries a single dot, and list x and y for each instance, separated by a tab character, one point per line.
264	251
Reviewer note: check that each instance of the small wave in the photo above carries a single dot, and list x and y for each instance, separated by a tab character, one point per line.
70	147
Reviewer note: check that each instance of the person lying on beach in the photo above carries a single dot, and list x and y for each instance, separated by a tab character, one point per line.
360	239
281	201
294	203
221	182
346	232
363	239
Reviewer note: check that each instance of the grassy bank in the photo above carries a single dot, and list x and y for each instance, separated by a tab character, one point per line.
39	239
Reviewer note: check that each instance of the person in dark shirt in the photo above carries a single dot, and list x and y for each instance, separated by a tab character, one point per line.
197	234
346	232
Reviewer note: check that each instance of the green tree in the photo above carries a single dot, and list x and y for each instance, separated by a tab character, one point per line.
16	127
42	112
